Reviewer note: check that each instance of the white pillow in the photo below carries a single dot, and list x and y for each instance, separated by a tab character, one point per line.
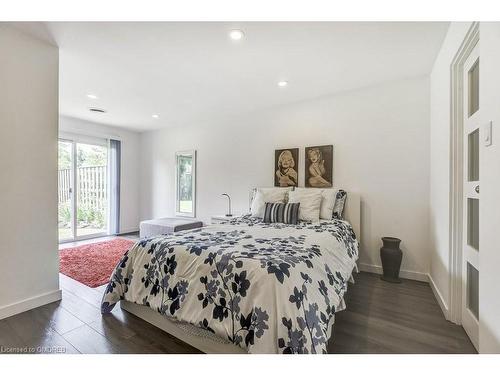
265	195
327	201
310	203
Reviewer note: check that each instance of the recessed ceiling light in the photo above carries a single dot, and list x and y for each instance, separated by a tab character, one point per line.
155	116
91	96
283	83
236	34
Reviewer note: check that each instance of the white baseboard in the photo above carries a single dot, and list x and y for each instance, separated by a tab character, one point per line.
412	275
30	303
439	298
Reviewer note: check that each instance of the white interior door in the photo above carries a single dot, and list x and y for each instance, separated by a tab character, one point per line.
471	240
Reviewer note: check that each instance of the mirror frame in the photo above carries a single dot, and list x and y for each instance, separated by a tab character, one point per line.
191	153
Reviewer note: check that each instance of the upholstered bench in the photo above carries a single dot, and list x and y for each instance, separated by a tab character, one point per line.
166	225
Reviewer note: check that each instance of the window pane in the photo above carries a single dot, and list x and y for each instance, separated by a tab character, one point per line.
473	222
185	178
92	189
474	88
473	290
473	163
64	190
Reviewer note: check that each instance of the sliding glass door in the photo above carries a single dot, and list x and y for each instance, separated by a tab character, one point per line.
92	190
65	191
83	190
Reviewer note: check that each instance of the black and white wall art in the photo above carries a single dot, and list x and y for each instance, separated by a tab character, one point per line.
319	166
286	163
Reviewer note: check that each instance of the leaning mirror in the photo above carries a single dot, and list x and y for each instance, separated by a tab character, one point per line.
185	162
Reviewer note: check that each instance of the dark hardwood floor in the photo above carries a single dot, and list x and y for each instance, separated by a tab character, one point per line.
395	318
380	318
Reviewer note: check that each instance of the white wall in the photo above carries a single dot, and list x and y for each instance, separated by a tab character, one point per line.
29	261
489	210
129	189
381	150
440	82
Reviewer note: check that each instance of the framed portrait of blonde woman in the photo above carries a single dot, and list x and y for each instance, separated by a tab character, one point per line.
319	166
286	167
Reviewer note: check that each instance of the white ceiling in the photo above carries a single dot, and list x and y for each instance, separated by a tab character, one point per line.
191	72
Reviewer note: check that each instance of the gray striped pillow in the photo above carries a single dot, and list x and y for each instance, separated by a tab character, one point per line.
338	208
286	213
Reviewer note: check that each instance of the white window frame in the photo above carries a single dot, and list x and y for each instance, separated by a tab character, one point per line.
178	154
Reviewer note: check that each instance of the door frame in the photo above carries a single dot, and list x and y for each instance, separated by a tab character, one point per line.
457	173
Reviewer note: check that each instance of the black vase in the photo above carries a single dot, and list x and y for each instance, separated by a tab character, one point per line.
391	256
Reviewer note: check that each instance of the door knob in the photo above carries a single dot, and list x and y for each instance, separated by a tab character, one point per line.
477	189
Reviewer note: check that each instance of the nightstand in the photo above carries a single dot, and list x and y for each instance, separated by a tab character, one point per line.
221	219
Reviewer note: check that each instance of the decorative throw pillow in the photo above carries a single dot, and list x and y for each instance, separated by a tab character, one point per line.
310	203
263	195
338	209
287	213
327	202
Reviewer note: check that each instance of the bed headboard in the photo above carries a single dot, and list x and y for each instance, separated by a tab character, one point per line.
352	210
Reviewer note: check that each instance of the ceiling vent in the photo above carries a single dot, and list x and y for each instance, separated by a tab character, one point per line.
98	110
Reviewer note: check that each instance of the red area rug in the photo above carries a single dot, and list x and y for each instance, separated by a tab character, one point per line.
94	263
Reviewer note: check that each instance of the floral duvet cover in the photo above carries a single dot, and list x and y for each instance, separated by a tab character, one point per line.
269	288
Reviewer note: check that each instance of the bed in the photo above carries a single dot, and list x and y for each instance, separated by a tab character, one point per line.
244	286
